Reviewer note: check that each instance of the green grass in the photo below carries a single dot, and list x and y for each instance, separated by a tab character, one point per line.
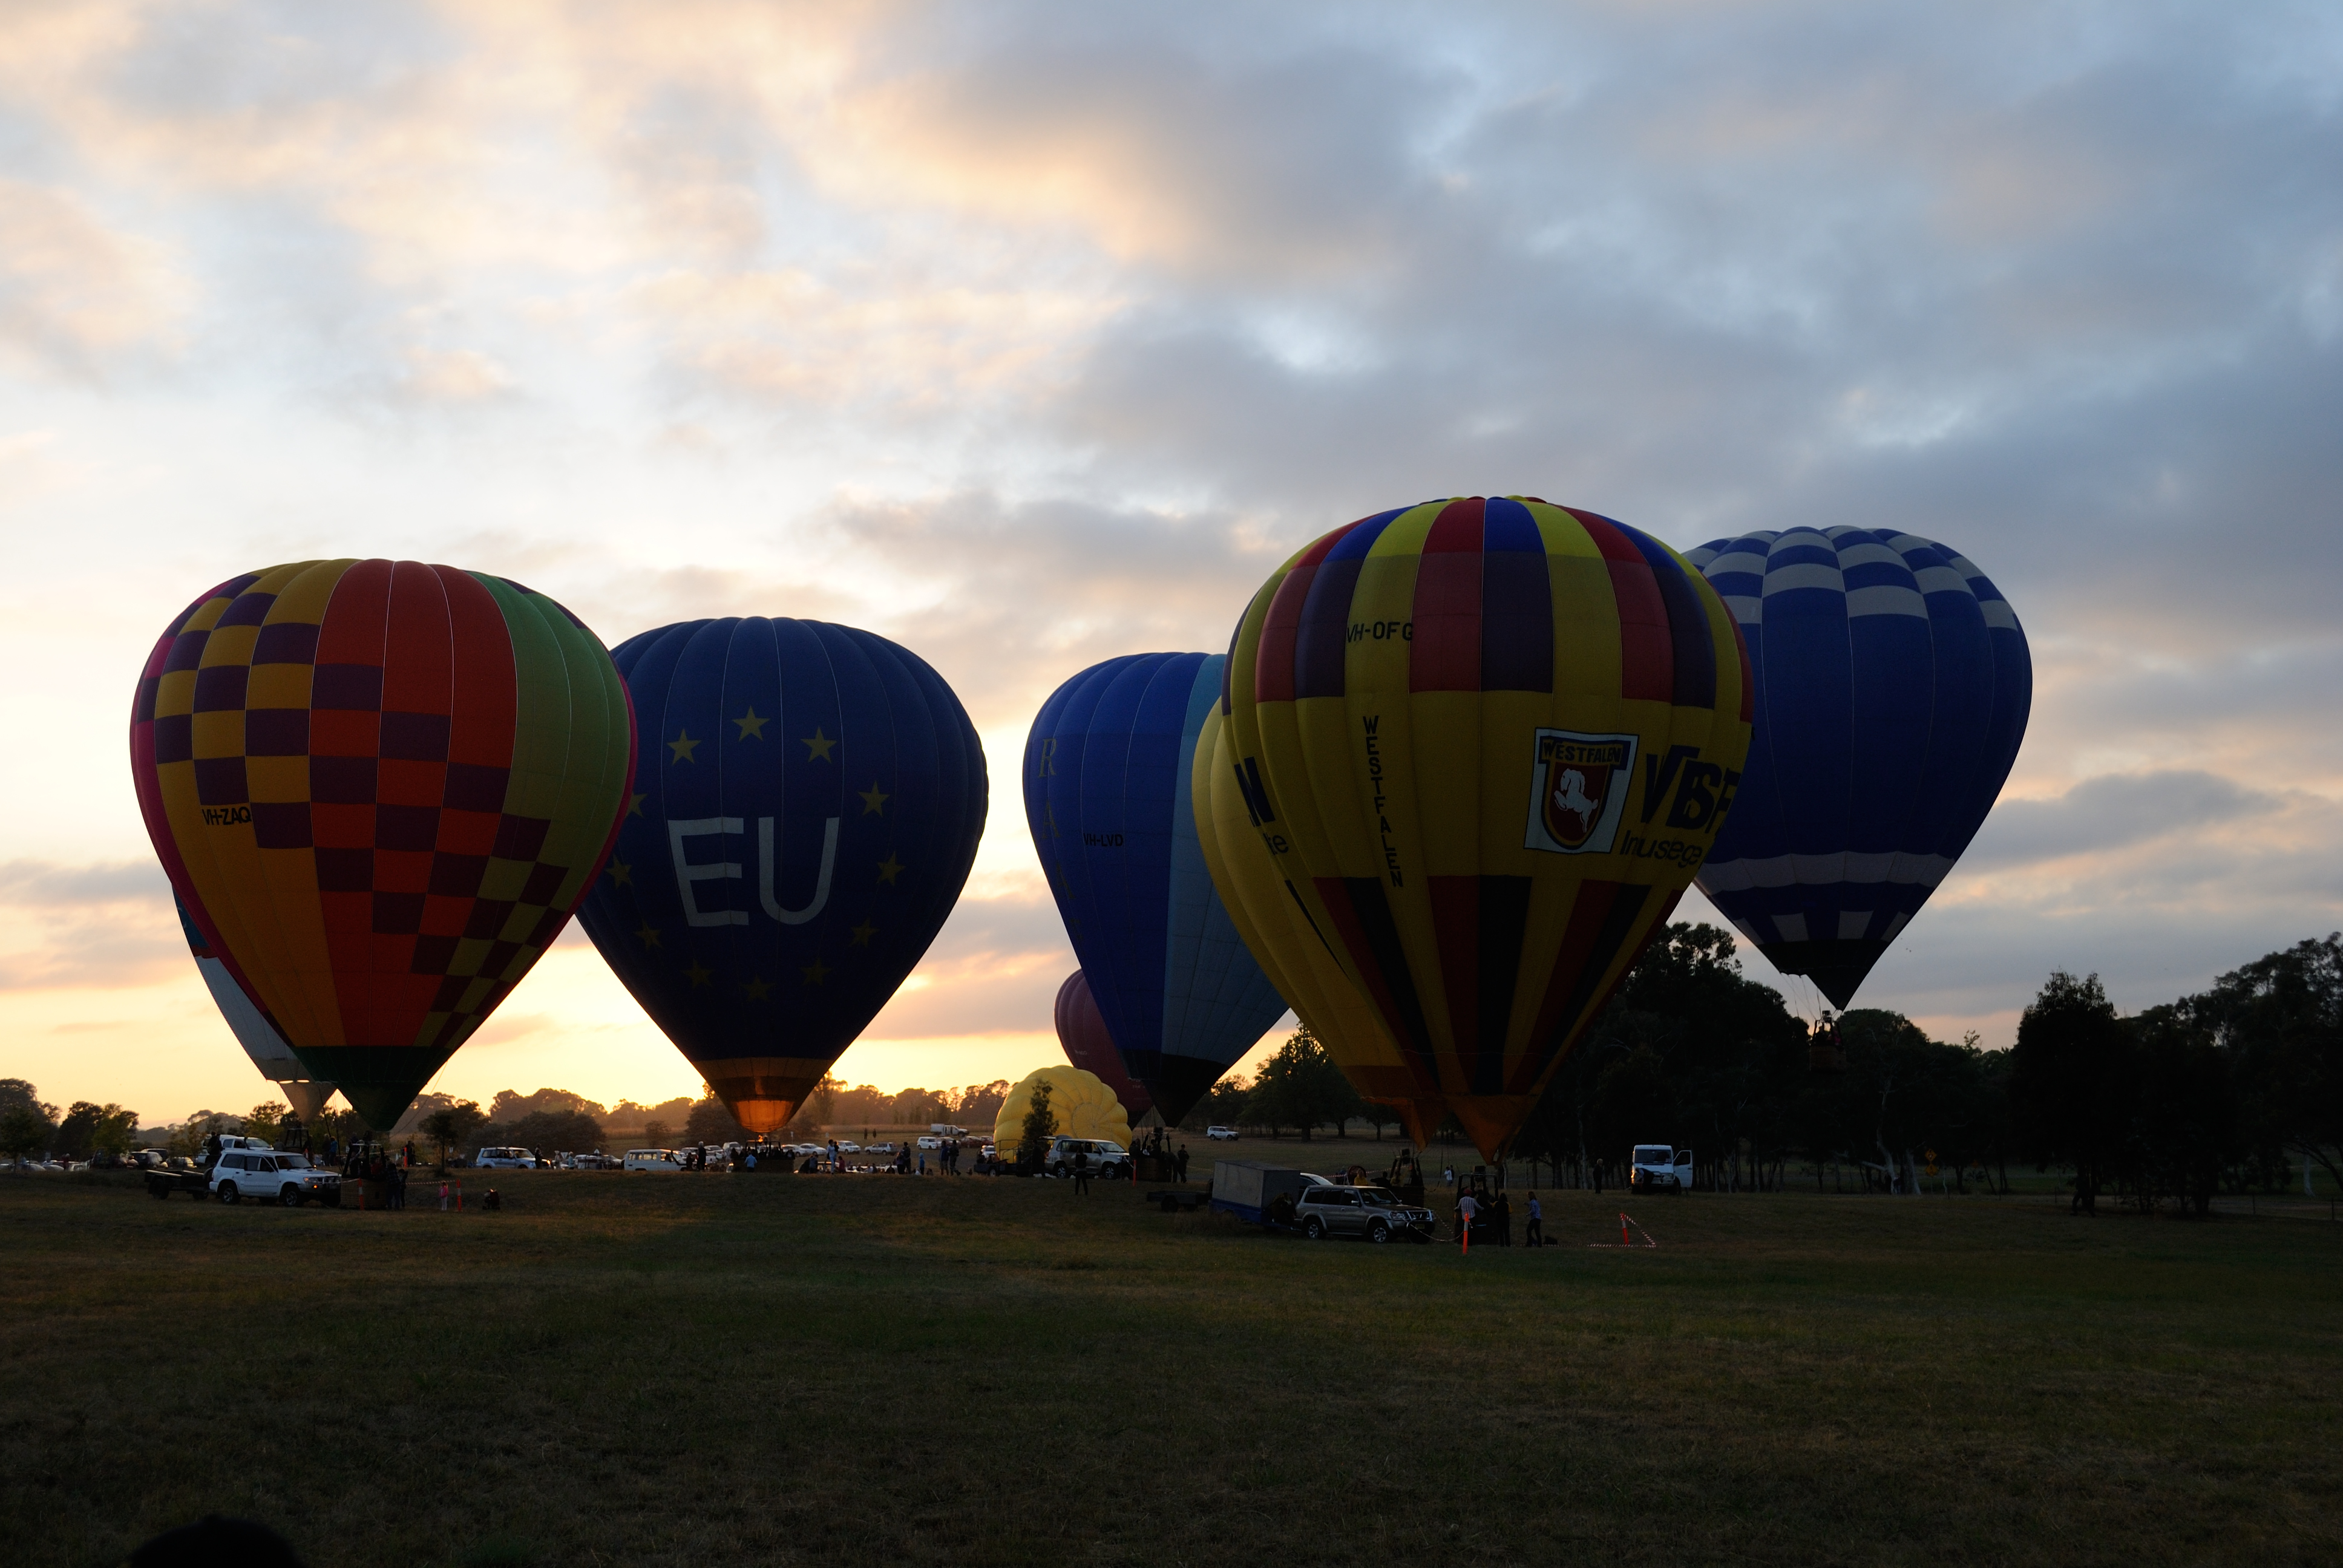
782	1370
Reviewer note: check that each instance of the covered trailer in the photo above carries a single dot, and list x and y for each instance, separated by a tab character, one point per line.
1252	1190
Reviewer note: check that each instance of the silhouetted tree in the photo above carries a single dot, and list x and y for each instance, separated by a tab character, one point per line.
2072	1084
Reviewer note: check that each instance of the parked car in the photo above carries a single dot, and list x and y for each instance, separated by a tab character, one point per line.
930	1141
1369	1211
505	1159
1220	1134
879	1149
847	1146
289	1178
1107	1159
653	1159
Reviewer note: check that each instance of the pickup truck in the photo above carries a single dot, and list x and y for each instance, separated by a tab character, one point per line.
178	1175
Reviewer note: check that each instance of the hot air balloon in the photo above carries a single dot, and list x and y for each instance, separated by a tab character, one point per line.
1109	771
1485	743
1081	1104
1082	1033
251	1025
1893	687
807	810
380	790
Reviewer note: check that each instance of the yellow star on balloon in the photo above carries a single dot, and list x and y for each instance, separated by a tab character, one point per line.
700	973
635	804
817	746
888	868
751	727
873	801
863	933
621	874
758	988
682	746
816	972
648	933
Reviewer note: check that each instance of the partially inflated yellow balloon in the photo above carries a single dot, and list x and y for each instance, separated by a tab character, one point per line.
1081	1102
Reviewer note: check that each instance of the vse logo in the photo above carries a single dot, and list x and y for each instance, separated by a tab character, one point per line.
1579	784
1703	791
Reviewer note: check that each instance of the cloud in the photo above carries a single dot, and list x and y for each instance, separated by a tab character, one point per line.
2114	811
80	299
49	885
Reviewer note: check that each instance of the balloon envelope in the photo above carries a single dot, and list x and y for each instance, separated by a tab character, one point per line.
380	790
1081	1104
1486	744
1089	1045
1109	777
1893	687
251	1025
807	810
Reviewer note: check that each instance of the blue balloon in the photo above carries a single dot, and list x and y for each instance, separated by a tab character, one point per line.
806	805
1892	683
1108	796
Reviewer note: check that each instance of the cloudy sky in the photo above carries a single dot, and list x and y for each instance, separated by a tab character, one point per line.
1031	335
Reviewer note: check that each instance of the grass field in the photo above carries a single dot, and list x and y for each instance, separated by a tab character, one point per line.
715	1370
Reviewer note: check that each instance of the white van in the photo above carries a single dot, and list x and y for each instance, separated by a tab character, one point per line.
653	1159
1660	1168
506	1159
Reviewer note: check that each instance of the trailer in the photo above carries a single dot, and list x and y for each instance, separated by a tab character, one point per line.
1256	1193
1178	1199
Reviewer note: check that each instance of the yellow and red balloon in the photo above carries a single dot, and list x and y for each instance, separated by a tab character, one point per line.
1481	746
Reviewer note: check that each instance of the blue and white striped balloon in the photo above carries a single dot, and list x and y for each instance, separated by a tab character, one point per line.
1893	685
1108	783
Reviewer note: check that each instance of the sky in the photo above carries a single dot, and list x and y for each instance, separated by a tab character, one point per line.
1028	334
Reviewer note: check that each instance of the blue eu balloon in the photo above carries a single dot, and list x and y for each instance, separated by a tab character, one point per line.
1892	683
1108	797
806	805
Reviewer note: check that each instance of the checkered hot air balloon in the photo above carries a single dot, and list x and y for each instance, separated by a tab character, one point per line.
806	812
380	789
1481	746
1892	688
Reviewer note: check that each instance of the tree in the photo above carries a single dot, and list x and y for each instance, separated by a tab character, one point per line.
26	1124
656	1133
1299	1086
263	1121
449	1125
979	1105
1222	1105
88	1129
2281	1019
2072	1086
1040	1126
555	1131
711	1121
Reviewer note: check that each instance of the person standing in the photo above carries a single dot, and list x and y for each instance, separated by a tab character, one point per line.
1083	1172
1534	1233
1180	1165
1467	1208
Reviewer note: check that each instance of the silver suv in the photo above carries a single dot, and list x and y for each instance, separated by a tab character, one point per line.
263	1174
1369	1211
1107	1160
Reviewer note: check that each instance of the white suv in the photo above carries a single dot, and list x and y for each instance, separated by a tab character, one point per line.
289	1178
1220	1134
505	1159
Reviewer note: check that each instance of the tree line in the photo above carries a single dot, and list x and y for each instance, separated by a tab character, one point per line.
2238	1089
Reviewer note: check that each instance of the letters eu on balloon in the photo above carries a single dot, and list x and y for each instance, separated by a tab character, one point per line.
1483	745
1109	781
1893	684
380	790
806	812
